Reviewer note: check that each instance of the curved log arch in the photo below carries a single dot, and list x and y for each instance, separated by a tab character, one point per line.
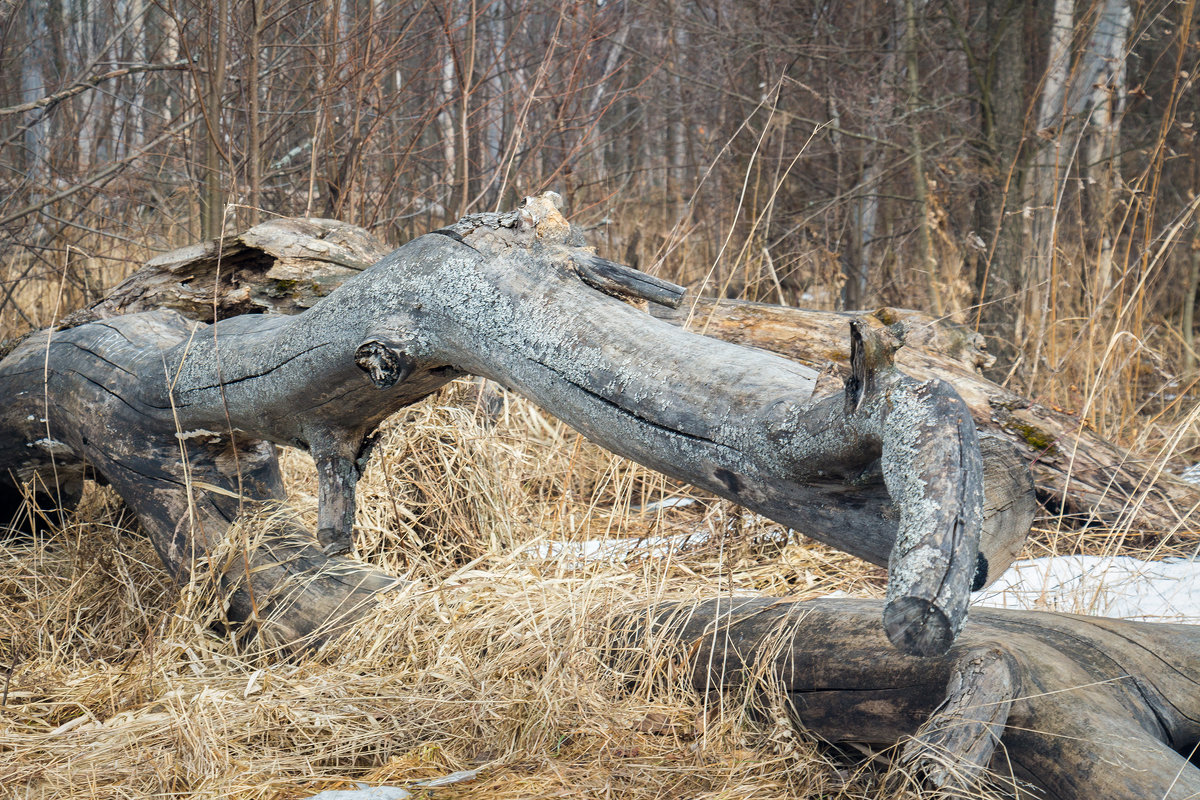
288	265
501	296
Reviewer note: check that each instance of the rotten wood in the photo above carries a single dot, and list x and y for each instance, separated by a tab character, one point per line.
283	266
1079	708
501	296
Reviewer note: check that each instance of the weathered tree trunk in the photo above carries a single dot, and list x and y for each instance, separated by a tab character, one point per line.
1075	471
1084	708
178	414
510	297
286	266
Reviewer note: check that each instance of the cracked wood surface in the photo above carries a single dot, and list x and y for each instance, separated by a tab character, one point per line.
508	297
280	267
1082	708
100	392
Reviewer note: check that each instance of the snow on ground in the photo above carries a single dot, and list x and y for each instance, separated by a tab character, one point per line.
616	549
1107	586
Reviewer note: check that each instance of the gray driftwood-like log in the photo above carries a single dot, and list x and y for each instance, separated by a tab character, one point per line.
287	265
1081	708
178	415
1076	472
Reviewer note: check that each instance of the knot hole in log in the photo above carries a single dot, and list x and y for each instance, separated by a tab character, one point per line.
385	364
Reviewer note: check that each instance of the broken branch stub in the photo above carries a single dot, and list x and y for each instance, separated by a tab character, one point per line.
933	470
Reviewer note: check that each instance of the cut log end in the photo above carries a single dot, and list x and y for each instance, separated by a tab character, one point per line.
918	627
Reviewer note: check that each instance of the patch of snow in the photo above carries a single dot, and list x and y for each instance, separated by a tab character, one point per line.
449	780
199	433
1119	587
1191	474
666	502
52	446
364	792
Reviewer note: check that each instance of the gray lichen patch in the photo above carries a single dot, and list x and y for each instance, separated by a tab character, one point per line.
52	446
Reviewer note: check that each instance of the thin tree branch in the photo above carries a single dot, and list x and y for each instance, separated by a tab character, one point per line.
79	87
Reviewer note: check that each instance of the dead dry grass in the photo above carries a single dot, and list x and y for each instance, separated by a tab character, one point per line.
497	657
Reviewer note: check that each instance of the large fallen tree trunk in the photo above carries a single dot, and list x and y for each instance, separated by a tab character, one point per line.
177	414
1082	708
285	266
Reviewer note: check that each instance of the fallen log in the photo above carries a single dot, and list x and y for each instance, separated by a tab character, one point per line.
178	414
287	265
1081	708
1077	473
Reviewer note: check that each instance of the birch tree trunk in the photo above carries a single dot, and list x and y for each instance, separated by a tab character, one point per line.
1069	91
32	88
1103	159
1047	177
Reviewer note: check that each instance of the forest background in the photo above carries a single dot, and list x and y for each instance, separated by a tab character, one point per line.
1028	169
